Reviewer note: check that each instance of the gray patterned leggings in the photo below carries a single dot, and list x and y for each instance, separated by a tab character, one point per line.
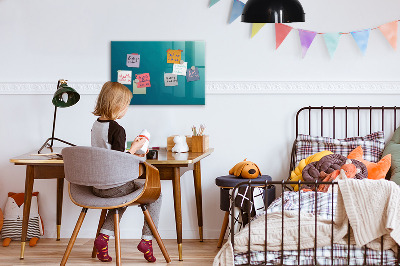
154	208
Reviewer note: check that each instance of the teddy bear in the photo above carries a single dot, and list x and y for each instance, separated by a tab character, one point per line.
180	144
13	215
245	169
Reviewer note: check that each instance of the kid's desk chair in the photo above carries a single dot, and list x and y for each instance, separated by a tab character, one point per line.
85	167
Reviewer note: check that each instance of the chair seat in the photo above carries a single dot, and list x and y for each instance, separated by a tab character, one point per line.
83	196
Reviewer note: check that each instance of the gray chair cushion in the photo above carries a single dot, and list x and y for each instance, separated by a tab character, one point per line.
99	167
84	196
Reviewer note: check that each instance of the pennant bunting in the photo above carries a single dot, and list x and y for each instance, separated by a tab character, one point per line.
213	2
332	41
237	9
306	39
256	27
281	31
361	37
389	30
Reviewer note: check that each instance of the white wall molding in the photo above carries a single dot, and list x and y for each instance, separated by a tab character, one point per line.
233	87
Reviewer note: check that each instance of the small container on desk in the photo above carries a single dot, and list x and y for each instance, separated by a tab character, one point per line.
200	143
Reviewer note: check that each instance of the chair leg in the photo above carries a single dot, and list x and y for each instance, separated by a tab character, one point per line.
117	239
73	237
101	222
223	229
154	230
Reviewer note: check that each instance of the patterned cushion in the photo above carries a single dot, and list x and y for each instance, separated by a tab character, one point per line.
372	144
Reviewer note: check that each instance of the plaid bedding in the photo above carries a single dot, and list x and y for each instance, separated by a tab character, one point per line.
372	145
323	207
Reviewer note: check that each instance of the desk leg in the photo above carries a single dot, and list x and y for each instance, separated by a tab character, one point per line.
199	204
176	182
60	190
27	206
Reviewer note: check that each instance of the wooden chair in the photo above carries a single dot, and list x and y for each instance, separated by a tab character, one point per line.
85	167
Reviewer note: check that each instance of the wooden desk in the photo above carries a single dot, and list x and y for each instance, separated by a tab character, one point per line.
171	167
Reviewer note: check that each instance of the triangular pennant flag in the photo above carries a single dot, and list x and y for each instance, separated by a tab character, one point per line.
361	37
281	31
237	9
332	41
389	30
256	27
306	39
213	2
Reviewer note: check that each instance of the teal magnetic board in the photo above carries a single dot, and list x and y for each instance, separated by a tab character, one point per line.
160	73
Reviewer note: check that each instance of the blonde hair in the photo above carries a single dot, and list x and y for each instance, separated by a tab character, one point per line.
112	99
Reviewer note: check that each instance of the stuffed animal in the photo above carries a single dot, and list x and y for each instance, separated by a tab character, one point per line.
245	169
296	174
180	144
375	170
348	170
13	215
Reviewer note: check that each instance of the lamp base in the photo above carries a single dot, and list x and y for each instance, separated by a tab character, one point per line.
50	146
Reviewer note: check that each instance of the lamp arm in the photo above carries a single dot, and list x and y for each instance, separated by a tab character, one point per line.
54	126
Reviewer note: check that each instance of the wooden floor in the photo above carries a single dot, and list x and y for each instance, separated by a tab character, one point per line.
50	252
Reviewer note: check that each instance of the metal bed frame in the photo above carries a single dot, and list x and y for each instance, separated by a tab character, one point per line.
283	184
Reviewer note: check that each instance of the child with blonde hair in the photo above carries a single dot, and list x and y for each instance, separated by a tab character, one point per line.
112	104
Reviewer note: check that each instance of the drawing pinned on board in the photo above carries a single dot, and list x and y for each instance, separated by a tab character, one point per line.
180	69
124	76
136	90
170	79
133	60
144	80
174	56
192	74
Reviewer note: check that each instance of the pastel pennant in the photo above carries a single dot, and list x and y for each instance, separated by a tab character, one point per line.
332	41
213	2
389	30
281	31
237	9
306	39
256	27
361	37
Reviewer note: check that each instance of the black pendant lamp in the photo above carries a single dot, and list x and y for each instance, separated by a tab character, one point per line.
273	11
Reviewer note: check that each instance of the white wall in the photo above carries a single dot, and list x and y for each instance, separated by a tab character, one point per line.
43	41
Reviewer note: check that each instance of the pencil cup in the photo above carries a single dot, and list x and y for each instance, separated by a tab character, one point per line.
200	143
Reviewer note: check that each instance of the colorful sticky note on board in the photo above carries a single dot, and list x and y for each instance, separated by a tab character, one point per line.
192	74
124	76
170	79
133	60
144	80
180	69
174	56
136	90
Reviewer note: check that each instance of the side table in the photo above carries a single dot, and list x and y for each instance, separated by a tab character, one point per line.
226	183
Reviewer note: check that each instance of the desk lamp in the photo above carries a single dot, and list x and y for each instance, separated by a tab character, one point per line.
64	96
272	11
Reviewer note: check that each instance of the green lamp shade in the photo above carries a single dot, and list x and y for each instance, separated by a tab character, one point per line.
65	96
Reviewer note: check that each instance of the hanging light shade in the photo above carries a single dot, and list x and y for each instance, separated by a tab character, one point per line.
65	96
273	11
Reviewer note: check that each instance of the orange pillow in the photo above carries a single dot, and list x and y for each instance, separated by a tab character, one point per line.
375	170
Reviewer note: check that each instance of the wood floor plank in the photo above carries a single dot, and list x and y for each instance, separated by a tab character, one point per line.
49	252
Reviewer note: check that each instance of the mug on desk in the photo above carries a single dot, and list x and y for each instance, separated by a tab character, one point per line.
152	155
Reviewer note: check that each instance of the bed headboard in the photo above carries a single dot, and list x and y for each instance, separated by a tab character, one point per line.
344	121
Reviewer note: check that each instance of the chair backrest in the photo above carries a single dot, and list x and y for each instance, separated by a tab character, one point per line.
92	166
